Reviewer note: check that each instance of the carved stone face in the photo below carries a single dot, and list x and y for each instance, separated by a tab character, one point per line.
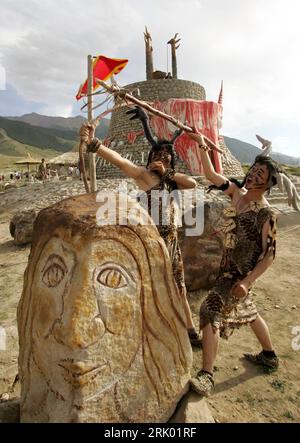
101	324
88	305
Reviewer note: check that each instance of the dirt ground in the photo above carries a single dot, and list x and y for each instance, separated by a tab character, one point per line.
243	393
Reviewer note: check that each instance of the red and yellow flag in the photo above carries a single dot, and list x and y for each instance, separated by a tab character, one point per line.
103	68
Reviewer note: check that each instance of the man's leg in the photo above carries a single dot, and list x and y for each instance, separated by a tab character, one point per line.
267	356
187	311
210	343
261	330
193	334
203	383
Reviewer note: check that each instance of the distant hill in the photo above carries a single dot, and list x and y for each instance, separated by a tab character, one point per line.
70	123
12	148
61	134
246	153
44	138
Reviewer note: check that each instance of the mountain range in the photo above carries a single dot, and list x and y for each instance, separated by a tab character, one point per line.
49	136
246	153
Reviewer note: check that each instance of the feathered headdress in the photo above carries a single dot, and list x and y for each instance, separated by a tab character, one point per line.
282	180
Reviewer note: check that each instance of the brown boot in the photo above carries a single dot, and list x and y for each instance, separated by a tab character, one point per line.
260	359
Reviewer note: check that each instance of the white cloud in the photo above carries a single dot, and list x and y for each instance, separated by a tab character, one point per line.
250	44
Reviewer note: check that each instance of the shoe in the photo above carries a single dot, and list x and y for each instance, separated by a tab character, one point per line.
195	339
262	360
203	383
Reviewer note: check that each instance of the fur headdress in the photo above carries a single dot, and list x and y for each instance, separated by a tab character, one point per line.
156	145
279	177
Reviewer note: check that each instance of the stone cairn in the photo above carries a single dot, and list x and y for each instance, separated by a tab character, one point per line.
121	128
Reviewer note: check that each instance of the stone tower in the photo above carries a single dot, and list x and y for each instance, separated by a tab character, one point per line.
126	136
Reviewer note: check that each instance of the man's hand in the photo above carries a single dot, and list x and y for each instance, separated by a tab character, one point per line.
197	137
87	132
137	112
241	288
157	167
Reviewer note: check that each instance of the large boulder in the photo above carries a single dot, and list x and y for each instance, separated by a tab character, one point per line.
21	226
202	253
192	409
101	323
10	411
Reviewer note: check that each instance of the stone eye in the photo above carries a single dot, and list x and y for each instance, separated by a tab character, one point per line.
112	278
54	271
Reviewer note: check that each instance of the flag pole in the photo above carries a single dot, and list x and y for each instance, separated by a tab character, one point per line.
92	164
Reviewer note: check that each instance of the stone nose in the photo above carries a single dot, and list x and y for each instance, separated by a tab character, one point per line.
80	324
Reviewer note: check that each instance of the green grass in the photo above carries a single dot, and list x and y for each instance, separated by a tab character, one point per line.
288	415
58	139
293	170
245	168
278	385
290	170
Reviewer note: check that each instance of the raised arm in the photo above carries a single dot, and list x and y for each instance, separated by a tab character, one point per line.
209	171
87	132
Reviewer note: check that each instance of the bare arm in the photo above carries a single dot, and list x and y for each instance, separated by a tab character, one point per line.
87	133
209	171
184	181
113	157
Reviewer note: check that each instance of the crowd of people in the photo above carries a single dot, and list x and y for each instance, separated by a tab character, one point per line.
43	173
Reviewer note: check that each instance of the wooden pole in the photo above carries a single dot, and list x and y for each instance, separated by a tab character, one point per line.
92	165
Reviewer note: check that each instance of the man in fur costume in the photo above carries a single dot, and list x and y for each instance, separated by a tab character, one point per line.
158	175
249	228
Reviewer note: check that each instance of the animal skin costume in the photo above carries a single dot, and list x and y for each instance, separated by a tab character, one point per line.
167	224
243	249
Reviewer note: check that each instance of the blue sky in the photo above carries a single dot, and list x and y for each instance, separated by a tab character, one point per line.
252	45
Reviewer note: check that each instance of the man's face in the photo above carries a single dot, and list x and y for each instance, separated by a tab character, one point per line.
163	156
257	177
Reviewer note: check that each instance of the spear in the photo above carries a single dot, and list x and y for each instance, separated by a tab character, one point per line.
126	95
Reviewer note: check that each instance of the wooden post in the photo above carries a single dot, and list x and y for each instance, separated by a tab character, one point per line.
92	165
149	55
173	42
